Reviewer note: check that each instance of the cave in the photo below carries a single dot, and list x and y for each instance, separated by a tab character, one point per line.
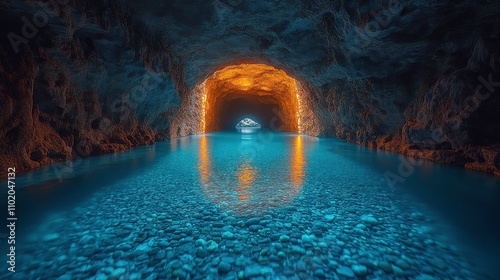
235	139
250	89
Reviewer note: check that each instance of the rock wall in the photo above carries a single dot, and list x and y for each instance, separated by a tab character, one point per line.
81	78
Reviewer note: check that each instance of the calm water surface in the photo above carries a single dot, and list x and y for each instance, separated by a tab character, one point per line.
263	206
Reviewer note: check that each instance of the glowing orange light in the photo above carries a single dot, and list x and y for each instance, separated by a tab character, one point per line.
297	162
203	124
204	164
257	80
246	174
299	108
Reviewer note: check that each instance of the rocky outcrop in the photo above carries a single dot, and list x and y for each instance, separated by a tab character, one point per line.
80	78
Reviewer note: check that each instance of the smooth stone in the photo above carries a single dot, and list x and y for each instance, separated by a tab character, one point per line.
135	276
397	270
402	264
201	253
366	262
212	245
229	260
117	273
345	271
284	238
228	235
230	244
369	219
253	271
224	267
254	228
329	217
200	243
319	273
359	269
252	221
298	250
51	237
308	238
361	226
385	266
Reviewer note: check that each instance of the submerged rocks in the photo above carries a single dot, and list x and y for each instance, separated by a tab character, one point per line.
252	221
228	235
223	267
359	270
369	219
345	271
284	238
294	241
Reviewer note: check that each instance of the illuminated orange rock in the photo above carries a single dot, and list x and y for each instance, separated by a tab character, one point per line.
259	83
264	83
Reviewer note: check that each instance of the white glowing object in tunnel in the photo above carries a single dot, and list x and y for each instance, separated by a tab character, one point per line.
247	125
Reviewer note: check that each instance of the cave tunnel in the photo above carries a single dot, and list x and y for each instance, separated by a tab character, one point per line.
262	91
126	152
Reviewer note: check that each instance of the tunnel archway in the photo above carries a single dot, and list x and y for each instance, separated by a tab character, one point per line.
277	100
260	90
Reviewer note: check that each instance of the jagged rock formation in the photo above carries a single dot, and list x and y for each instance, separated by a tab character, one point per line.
80	78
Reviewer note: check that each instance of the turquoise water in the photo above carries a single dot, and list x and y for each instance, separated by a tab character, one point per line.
266	206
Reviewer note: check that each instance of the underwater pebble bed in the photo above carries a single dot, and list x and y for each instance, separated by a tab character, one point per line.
166	223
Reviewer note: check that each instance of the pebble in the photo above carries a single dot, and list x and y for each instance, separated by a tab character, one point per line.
212	245
308	238
345	271
228	244
298	250
329	217
202	253
228	235
397	270
319	273
385	266
200	243
223	267
359	269
284	238
115	274
369	219
252	221
50	237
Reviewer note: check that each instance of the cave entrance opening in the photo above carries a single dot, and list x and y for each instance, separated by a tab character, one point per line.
265	92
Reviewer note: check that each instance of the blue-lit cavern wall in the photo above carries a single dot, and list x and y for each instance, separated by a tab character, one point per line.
80	78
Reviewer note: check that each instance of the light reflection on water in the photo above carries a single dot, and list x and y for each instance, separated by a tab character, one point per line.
259	180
